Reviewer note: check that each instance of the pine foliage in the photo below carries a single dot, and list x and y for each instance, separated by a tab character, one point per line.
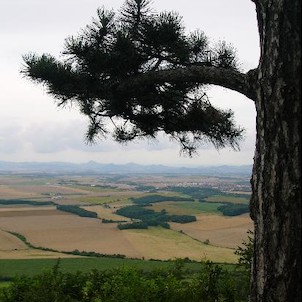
101	66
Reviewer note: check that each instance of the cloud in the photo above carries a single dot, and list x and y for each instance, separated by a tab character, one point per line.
56	136
48	139
32	127
10	138
64	141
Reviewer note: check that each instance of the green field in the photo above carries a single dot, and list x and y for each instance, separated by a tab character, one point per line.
17	267
231	199
200	207
103	199
187	207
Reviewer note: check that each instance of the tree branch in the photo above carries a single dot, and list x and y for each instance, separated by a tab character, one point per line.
227	78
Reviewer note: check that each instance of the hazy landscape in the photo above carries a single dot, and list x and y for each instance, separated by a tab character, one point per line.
40	212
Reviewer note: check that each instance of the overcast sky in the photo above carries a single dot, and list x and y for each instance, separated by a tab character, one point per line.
32	127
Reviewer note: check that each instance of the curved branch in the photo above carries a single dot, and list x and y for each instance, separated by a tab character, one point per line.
227	78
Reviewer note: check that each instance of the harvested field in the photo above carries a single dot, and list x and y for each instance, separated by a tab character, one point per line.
69	232
220	231
30	211
158	243
48	189
8	192
12	247
9	242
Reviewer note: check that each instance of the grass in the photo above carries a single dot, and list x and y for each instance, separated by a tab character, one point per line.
187	208
112	196
103	199
232	199
96	199
96	189
30	267
201	207
4	284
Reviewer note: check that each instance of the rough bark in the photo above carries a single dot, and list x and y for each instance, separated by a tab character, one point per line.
276	180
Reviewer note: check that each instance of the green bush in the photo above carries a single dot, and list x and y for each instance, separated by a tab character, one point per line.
133	225
25	202
127	284
148	217
182	218
77	210
231	209
245	252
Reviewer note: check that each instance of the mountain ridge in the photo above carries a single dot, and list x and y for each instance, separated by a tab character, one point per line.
93	167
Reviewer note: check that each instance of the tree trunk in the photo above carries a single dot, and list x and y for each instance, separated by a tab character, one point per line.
276	179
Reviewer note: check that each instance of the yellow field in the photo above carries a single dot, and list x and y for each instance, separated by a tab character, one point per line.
49	228
158	243
9	242
218	230
30	211
13	248
68	233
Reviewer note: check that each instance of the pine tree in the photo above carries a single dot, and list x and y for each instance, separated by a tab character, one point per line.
103	68
142	72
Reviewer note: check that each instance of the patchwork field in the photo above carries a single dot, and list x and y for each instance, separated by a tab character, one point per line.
69	232
212	236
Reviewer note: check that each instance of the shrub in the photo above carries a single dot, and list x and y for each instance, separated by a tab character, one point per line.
128	284
232	209
77	210
182	218
146	200
245	252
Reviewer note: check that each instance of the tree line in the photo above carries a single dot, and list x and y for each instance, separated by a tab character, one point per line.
146	217
77	210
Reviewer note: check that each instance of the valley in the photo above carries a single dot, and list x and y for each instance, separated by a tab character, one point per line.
30	210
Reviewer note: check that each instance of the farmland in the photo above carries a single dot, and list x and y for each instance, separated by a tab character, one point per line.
32	226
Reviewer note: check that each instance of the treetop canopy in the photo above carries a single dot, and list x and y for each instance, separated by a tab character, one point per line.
140	70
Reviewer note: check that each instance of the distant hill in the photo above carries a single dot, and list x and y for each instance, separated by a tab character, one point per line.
93	167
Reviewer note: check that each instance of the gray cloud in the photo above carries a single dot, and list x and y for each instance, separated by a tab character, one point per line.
32	129
57	136
10	138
